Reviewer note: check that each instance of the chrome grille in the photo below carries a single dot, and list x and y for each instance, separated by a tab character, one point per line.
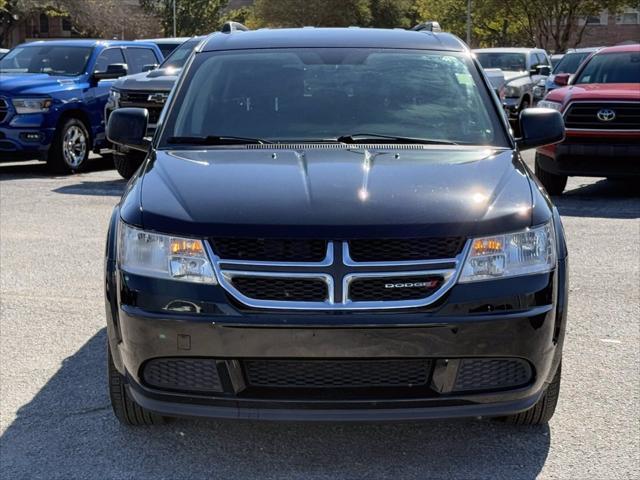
584	115
4	109
133	98
323	275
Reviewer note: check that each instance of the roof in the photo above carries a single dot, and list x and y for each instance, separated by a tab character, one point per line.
164	40
635	47
309	37
85	43
507	49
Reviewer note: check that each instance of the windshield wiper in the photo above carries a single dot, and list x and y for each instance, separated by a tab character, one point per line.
216	140
367	137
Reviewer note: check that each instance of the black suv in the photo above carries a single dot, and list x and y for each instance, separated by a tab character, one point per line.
334	224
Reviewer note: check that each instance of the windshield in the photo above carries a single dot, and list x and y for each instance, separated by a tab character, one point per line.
570	62
510	62
321	94
179	56
52	60
619	67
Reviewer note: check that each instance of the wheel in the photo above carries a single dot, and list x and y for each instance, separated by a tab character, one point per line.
553	184
524	105
126	410
69	150
544	408
127	163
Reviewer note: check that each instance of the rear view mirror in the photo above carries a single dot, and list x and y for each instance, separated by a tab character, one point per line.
128	127
149	67
562	79
115	70
544	70
540	126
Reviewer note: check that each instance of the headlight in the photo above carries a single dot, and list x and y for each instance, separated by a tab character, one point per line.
114	97
510	255
163	256
511	91
31	105
548	104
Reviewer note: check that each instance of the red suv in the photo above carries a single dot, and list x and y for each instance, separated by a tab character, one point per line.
601	110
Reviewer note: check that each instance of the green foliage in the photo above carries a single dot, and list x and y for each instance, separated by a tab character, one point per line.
193	17
299	13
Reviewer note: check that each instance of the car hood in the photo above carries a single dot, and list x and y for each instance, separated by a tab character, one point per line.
37	83
596	92
160	80
498	77
331	193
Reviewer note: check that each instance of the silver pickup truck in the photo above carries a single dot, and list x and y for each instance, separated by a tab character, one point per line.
514	72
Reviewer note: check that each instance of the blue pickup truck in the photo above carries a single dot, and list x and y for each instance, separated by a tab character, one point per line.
52	97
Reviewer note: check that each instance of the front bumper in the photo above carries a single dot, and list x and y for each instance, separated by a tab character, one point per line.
515	319
597	154
24	136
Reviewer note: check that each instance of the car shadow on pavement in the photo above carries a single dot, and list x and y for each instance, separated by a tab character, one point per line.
68	431
37	169
113	188
602	199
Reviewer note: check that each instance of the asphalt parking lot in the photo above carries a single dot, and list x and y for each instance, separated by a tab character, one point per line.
56	421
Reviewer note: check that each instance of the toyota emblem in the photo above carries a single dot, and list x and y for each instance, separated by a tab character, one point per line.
606	115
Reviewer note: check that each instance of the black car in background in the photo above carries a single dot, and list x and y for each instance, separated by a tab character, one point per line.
314	236
148	90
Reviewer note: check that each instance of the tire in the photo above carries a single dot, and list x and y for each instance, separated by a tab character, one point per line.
126	410
128	163
70	148
544	408
553	184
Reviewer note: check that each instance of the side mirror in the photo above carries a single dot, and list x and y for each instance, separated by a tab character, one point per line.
562	79
128	127
149	67
544	70
115	70
540	126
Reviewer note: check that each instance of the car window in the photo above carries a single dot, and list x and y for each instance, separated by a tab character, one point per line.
542	59
138	57
317	94
52	60
179	56
619	67
108	57
570	62
167	48
507	61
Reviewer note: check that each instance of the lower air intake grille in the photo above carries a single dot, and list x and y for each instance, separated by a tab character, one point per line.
182	374
336	373
270	249
283	289
490	374
374	289
395	250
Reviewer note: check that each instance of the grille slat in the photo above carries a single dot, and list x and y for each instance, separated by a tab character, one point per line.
272	250
396	250
585	115
337	373
282	289
4	109
375	289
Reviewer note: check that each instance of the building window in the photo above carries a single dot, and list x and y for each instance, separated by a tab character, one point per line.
44	23
66	24
629	16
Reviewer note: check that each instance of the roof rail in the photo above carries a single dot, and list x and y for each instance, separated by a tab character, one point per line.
229	27
430	26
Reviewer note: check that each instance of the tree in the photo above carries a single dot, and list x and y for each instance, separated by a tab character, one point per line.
318	13
193	17
558	24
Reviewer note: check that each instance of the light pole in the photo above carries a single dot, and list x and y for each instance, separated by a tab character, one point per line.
174	19
469	22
